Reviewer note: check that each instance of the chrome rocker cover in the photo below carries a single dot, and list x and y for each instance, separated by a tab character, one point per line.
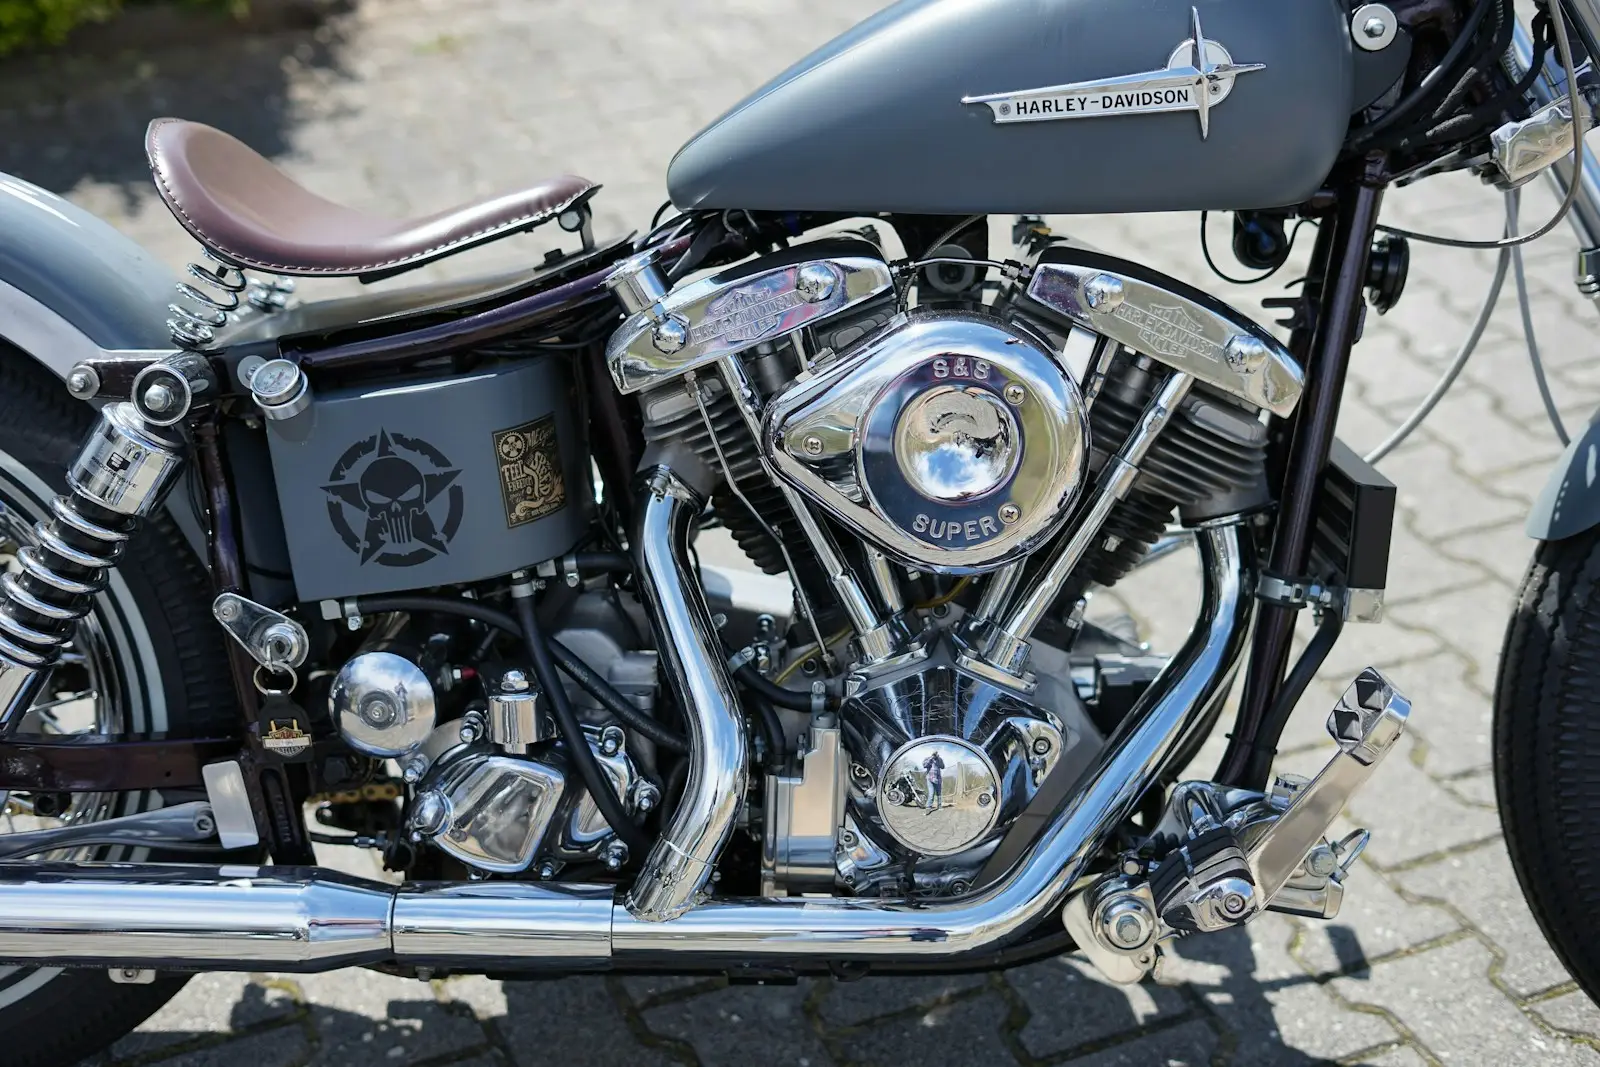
953	441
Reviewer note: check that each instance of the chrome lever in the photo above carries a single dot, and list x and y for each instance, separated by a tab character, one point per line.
1366	723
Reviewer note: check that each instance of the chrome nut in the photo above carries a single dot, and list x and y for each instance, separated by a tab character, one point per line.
815	282
1103	292
1245	354
670	335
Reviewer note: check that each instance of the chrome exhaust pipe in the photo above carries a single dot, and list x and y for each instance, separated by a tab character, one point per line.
245	918
191	918
679	867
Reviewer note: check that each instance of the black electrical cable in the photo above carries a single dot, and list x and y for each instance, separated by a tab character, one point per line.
793	699
1205	250
1294	687
1427	93
578	750
772	734
565	658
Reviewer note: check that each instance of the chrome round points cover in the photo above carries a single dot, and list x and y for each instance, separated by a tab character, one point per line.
383	704
955	443
939	795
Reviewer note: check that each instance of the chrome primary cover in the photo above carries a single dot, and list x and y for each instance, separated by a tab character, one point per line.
953	441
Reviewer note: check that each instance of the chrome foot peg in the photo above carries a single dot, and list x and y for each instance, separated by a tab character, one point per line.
1220	856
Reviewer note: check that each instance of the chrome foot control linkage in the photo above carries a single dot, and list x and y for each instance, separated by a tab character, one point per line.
1220	856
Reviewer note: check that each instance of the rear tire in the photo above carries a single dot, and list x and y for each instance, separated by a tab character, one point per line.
171	674
1547	748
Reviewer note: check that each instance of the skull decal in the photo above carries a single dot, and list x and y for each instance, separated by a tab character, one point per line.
390	486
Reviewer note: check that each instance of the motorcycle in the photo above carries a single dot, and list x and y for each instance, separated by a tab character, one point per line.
414	572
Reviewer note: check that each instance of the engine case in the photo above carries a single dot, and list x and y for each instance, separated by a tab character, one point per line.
941	763
952	440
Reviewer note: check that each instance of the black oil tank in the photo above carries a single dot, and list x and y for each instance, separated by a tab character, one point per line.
881	118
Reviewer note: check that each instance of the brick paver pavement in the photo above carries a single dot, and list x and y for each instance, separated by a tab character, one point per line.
410	105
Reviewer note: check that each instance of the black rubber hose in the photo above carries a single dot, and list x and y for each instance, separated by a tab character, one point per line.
566	659
594	778
1294	687
772	736
793	699
1428	93
603	562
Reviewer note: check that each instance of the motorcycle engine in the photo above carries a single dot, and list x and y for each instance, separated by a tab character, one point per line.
957	439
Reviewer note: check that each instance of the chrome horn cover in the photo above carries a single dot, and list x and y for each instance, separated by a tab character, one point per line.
953	441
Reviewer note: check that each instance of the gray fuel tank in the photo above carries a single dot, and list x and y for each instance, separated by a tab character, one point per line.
878	119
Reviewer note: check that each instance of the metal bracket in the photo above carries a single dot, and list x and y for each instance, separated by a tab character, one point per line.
273	639
148	829
1353	605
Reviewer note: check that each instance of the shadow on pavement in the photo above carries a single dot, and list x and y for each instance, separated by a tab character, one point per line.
1229	1006
78	113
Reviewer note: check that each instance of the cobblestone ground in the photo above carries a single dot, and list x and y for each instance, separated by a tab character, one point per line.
409	105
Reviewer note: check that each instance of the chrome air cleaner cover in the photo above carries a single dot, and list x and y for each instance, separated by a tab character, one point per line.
953	441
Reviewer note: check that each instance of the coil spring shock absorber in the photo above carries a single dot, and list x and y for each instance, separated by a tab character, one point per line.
195	326
121	474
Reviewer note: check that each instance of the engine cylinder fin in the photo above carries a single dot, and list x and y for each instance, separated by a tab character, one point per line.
1207	456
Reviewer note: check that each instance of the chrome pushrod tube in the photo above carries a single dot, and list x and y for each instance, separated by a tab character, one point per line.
867	929
680	864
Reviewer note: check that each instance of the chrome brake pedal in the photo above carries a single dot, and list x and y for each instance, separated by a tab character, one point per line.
1238	852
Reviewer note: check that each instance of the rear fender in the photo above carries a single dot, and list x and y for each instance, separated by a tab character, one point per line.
74	288
1570	501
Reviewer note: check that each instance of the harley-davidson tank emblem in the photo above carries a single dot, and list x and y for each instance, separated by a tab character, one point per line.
530	470
401	491
1199	75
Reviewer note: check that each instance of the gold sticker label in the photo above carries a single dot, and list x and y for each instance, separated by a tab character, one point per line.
530	470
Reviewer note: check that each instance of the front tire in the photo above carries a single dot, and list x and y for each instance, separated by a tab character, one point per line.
1547	748
154	660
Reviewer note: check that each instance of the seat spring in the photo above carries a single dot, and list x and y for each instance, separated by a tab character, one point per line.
194	324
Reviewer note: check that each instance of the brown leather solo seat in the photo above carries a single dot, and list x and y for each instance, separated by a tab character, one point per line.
251	214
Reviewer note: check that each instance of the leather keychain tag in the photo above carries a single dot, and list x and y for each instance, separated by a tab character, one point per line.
285	733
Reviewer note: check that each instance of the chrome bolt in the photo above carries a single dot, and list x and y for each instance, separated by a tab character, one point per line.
1375	27
414	768
547	870
204	825
670	335
1245	354
514	681
611	740
849	839
985	799
1126	922
160	397
815	282
1010	513
1103	292
615	855
1015	394
1234	903
469	731
1041	745
645	796
83	382
812	444
1321	862
228	609
429	814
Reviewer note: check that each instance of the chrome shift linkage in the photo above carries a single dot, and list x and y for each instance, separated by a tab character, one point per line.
1220	856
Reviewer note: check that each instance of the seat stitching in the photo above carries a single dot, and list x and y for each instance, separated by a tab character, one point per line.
190	224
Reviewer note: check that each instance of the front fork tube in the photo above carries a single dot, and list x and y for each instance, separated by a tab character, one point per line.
1335	326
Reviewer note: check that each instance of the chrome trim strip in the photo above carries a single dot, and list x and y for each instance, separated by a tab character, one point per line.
1169	321
759	300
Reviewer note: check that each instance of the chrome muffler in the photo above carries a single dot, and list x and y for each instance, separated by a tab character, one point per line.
289	919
